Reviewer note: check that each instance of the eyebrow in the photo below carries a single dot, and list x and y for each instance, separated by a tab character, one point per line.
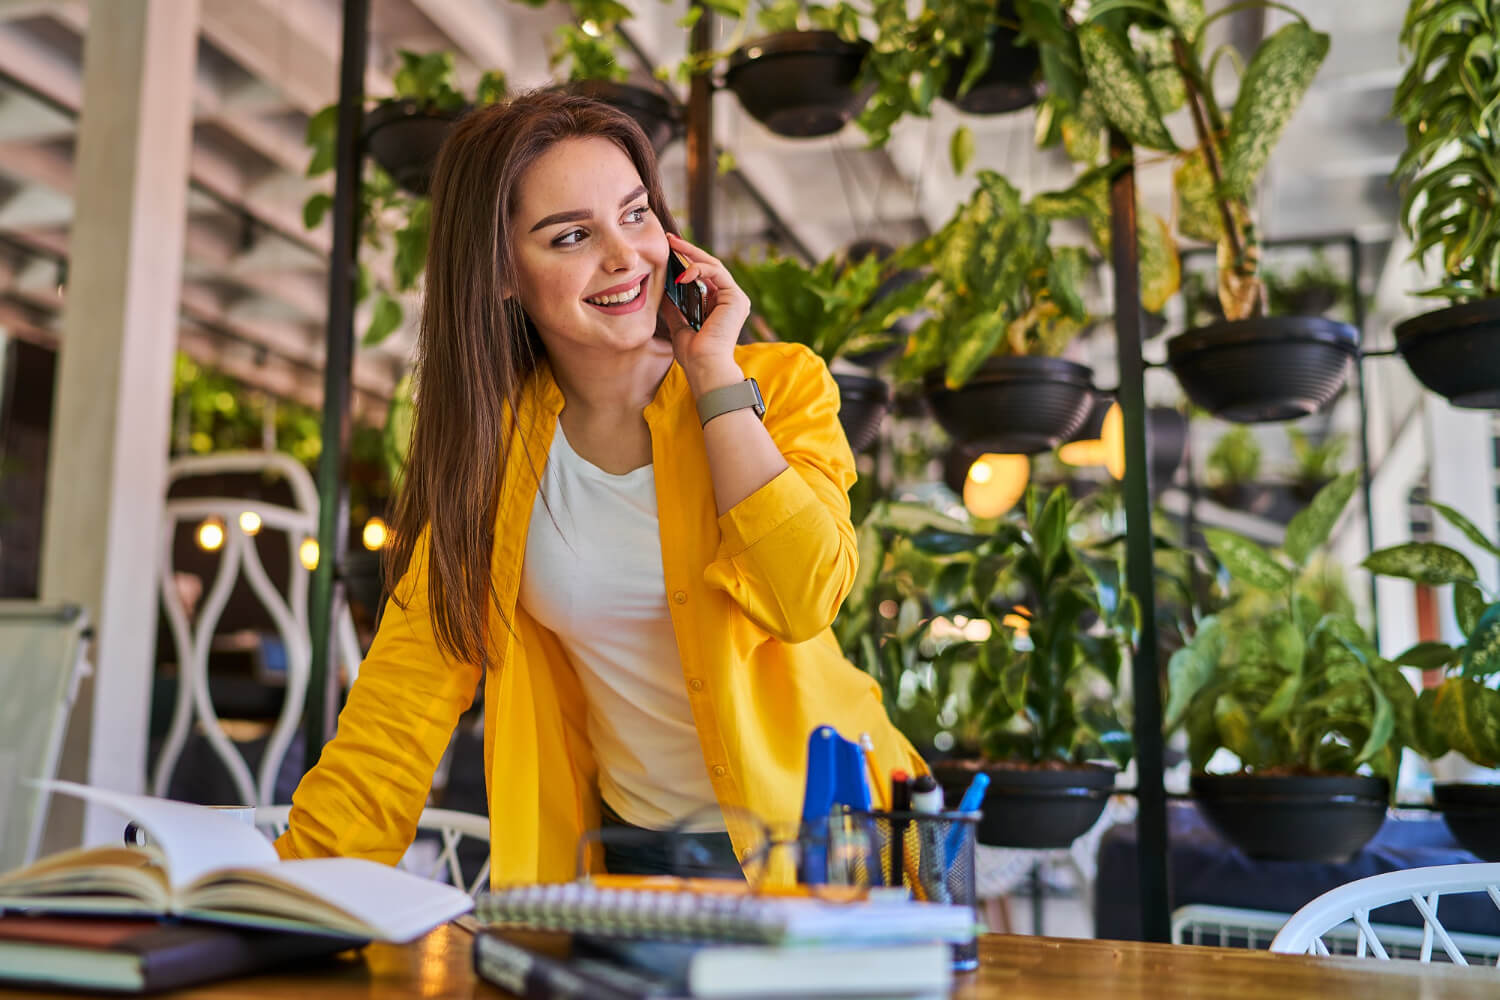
581	215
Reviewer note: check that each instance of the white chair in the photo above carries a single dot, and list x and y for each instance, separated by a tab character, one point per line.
450	824
1422	887
42	659
288	611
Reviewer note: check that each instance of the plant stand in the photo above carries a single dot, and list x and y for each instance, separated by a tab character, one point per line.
799	84
1015	405
1455	352
1270	368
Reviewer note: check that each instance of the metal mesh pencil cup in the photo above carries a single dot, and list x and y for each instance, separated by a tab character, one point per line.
932	854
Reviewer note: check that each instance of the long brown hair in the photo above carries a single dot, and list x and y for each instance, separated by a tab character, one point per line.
476	349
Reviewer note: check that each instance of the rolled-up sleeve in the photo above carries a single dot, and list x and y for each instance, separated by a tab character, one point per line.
368	789
787	553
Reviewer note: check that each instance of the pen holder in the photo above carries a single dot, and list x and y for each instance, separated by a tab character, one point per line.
931	854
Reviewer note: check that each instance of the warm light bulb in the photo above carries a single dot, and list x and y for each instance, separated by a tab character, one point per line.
374	534
211	535
591	29
250	522
1082	454
1112	437
995	483
1019	620
308	553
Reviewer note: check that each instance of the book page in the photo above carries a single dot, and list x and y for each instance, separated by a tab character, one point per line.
192	840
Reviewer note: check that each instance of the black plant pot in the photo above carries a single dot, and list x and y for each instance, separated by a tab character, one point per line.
404	138
799	83
1455	352
1472	813
863	401
362	578
1026	807
1271	368
651	111
1293	817
1014	405
1008	83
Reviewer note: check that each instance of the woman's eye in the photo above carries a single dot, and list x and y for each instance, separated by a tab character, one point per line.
638	214
567	238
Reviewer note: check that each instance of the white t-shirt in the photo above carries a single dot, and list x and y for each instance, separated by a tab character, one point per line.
593	576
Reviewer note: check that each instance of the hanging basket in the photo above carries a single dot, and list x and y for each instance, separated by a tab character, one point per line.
1009	83
1030	806
863	401
1293	817
1270	368
651	111
1472	812
799	84
404	138
1455	352
1014	405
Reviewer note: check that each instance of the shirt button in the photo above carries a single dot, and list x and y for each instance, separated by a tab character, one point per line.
720	770
696	684
680	596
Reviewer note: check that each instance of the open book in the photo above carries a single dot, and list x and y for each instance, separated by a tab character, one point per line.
204	866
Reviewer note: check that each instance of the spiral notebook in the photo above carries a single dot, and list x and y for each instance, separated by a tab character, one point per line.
700	916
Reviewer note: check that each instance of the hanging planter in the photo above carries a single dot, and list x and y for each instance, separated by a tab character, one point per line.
1014	405
1009	83
651	111
1455	352
863	400
799	84
404	138
1034	807
1472	812
1293	817
1270	368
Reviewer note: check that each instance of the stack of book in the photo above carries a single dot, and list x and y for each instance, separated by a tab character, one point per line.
615	943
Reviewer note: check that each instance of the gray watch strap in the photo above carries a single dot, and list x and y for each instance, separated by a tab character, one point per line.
739	396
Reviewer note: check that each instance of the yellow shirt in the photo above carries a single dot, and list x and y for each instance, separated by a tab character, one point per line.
752	594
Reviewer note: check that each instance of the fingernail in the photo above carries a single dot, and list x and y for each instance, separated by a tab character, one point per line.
682	278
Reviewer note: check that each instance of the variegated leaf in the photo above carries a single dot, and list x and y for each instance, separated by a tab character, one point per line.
1198	215
1422	562
1160	267
1310	527
1120	87
1468	605
1278	75
1468	715
1482	653
1247	561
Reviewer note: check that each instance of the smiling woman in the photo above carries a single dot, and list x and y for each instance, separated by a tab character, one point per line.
636	531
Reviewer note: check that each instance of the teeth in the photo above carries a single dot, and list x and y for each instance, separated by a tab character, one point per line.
615	300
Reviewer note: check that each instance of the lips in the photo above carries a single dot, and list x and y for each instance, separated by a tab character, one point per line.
616	290
620	308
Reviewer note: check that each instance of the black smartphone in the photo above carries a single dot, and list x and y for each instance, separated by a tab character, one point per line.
688	296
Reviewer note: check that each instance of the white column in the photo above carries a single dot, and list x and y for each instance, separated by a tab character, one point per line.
107	465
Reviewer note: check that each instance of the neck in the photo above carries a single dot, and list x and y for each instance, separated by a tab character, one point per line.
614	385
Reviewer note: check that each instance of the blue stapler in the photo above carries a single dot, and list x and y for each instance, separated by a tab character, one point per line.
835	776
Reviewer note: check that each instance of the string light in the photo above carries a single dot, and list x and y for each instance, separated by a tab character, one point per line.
307	552
210	535
250	523
994	483
375	534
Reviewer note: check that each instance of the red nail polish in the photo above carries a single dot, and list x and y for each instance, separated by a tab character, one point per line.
682	278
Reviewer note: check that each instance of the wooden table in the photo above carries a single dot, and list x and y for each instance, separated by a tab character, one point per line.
1011	967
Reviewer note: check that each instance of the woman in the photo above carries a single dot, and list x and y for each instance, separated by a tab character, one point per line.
595	517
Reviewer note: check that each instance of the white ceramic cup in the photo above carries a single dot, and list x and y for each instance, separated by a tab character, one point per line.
135	836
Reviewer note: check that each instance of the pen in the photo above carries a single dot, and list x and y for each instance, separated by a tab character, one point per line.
900	805
877	787
932	872
972	800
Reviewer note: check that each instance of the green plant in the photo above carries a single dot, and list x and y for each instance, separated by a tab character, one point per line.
1463	712
589	44
389	216
832	308
1126	64
1316	463
1449	101
1284	682
1235	459
998	285
770	17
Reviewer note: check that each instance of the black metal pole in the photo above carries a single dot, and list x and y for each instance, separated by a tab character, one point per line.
700	136
1356	262
1151	819
333	464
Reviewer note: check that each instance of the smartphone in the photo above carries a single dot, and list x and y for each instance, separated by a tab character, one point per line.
688	297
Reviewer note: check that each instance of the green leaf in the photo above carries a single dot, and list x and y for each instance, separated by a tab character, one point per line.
1246	561
1466	526
493	86
961	149
1467	714
1118	84
396	436
411	247
1468	606
1382	723
1427	736
1198	215
948	591
937	542
1428	655
1311	527
1274	83
315	208
384	321
1052	527
1422	562
1482	653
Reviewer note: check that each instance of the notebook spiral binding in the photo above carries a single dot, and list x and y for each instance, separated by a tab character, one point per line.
580	907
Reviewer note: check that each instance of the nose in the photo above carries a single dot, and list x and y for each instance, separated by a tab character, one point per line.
619	253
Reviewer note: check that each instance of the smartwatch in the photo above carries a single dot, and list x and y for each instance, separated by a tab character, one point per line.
738	396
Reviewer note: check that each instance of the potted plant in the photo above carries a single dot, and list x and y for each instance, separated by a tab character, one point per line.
1451	195
1292	687
801	79
835	309
1462	712
1039	706
1126	64
1233	466
1316	464
1002	304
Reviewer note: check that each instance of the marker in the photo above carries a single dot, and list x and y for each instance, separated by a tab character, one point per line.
972	800
877	787
932	871
900	804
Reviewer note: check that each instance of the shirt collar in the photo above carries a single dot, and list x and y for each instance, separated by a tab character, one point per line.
549	398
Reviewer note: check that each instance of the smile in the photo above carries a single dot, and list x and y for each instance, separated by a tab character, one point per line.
625	301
